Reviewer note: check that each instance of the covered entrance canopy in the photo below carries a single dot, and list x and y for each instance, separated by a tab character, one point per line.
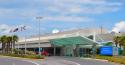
73	43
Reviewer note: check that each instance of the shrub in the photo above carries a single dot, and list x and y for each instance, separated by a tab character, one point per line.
21	53
40	56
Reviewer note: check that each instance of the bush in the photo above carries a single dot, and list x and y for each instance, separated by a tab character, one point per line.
40	56
123	53
21	53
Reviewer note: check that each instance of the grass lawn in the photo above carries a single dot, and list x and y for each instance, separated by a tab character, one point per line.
120	60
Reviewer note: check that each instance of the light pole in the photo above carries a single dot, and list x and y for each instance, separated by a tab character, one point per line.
39	19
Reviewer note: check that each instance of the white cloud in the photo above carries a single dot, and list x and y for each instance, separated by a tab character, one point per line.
68	19
4	28
59	7
55	31
119	27
58	10
84	6
17	14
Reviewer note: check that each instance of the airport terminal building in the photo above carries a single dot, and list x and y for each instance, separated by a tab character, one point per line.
78	42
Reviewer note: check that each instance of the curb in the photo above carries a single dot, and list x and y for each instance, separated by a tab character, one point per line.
95	59
21	57
101	60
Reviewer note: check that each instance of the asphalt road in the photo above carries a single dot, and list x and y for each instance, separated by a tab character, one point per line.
78	61
12	61
52	61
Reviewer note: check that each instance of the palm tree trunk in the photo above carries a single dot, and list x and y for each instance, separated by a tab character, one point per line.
7	48
3	47
14	45
11	47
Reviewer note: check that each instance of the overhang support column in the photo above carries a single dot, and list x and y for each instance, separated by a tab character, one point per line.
94	50
54	51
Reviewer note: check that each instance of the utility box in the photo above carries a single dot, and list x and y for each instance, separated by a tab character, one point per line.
109	50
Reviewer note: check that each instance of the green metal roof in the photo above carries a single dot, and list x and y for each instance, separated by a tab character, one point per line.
108	44
71	41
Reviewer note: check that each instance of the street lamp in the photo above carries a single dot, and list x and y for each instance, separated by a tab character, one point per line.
39	19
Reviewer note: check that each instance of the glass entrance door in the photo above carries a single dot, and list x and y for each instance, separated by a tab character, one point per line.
84	52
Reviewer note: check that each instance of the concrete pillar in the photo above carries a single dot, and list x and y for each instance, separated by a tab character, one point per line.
94	50
54	51
77	50
61	51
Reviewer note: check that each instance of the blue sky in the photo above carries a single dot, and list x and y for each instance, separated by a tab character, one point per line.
61	14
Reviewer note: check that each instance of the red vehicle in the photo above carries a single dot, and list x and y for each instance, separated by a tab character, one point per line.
45	53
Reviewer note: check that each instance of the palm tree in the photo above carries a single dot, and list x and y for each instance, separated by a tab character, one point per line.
123	42
116	40
7	42
3	41
14	40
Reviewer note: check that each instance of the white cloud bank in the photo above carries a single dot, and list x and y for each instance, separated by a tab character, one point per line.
119	27
4	29
68	19
58	9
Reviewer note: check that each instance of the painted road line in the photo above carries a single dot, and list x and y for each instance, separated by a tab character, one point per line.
72	62
21	59
13	63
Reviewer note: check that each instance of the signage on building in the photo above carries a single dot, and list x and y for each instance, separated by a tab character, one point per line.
106	50
109	50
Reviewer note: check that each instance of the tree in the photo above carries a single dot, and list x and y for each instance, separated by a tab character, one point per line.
4	43
8	42
123	42
15	39
116	40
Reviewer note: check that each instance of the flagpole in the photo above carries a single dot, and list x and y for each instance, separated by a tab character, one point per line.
23	28
18	43
12	43
12	46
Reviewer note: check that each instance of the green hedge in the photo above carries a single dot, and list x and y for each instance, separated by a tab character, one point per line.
22	54
25	56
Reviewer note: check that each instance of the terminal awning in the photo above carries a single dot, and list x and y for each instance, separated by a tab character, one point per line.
72	41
